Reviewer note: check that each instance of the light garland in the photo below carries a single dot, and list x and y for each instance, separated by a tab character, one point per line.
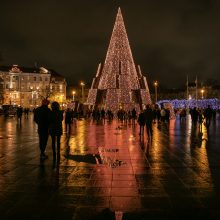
119	80
191	103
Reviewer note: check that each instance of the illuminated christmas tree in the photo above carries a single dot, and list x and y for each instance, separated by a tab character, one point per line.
118	84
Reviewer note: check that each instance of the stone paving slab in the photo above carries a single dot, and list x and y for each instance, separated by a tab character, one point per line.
104	169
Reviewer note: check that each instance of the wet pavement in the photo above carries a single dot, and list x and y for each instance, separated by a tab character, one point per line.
107	171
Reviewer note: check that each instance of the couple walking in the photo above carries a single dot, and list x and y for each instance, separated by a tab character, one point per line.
49	123
146	118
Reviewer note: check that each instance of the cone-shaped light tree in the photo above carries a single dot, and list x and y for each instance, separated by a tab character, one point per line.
118	83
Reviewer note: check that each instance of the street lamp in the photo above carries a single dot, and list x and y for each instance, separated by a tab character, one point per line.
62	100
74	92
155	86
202	93
82	84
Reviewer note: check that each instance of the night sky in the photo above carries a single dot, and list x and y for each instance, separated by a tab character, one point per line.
168	38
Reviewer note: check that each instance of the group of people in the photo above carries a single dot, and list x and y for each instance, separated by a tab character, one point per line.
202	115
150	115
49	122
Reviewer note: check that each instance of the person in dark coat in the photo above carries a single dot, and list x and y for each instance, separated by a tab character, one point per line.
41	117
68	120
19	113
194	116
141	122
208	113
149	116
55	129
134	115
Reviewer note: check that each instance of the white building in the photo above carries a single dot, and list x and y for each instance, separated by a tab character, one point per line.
28	86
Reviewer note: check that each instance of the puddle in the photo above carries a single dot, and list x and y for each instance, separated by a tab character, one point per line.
109	157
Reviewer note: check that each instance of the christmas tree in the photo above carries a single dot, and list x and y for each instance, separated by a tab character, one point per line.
118	83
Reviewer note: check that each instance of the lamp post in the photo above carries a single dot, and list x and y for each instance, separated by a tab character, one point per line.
62	100
155	86
82	84
74	92
202	93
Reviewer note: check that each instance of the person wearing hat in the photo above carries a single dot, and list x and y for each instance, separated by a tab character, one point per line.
41	117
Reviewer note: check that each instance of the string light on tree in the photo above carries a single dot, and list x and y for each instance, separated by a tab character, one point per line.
118	82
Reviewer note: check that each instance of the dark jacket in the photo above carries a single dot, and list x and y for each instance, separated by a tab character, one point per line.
141	119
68	117
41	117
55	123
149	116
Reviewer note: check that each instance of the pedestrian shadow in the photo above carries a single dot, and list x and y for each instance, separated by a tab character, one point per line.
199	136
87	158
145	146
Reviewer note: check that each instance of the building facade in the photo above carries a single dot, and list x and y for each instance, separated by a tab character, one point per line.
28	86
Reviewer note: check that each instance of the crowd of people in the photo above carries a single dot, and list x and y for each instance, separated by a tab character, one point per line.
50	120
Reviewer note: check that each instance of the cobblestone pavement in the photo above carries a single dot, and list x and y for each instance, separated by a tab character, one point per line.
106	168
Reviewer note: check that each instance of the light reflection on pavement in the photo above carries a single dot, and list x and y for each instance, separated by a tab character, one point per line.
107	166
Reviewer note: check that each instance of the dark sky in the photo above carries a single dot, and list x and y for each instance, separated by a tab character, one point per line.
168	38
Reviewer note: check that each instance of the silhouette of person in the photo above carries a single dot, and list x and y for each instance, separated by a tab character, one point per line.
55	129
194	116
19	113
68	120
134	115
141	122
208	112
148	113
41	117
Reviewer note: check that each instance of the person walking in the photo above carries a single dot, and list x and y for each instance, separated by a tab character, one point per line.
148	113
55	129
68	120
41	117
194	116
134	116
19	114
208	113
141	122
